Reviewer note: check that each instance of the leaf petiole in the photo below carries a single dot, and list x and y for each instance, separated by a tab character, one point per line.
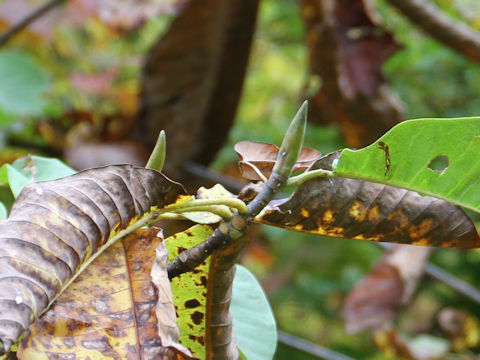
308	175
207	205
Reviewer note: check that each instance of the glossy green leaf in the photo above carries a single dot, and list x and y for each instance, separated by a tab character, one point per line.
190	290
255	327
22	84
437	157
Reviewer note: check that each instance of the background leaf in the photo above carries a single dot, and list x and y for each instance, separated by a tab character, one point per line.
410	154
23	83
255	327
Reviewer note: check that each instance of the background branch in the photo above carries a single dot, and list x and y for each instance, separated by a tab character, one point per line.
22	24
457	36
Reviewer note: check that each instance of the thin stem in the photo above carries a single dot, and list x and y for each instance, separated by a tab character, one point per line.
300	179
22	24
197	203
217	210
310	348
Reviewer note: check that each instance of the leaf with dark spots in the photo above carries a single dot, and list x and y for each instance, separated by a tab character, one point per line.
257	159
55	228
190	289
192	303
356	209
108	311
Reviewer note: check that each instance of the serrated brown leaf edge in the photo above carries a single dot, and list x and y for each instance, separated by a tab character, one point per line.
356	209
56	226
257	159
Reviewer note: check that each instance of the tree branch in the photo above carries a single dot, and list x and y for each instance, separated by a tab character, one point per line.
22	24
310	348
457	36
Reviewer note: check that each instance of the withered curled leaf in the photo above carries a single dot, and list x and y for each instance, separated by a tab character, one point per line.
355	209
56	226
257	159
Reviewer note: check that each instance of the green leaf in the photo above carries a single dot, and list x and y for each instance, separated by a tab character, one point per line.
255	327
190	290
22	84
3	211
32	169
437	157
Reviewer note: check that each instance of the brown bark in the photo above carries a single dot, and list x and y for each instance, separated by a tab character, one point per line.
457	36
347	50
193	77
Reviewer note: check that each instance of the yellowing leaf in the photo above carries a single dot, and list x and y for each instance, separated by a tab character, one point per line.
108	312
190	290
55	228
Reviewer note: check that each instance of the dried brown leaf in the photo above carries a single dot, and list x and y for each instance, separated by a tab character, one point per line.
375	300
108	312
259	158
361	210
56	226
168	329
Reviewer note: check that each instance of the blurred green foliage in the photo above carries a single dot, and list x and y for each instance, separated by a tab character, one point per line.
430	79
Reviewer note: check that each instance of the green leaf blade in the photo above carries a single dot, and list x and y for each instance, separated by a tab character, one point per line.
23	83
255	326
414	148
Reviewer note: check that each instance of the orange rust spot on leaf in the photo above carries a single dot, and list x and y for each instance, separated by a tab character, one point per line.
357	211
305	213
328	217
399	217
373	214
417	231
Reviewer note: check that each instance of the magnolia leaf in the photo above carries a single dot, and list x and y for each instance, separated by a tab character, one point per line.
168	329
32	169
374	301
3	211
257	159
108	311
255	326
55	227
190	290
356	209
23	83
437	157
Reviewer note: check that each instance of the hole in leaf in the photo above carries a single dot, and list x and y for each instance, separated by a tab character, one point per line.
439	163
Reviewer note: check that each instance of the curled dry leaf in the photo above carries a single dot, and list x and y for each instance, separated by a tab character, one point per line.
257	159
361	210
391	283
108	312
55	227
168	329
